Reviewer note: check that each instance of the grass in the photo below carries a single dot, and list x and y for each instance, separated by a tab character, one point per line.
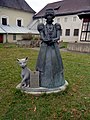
63	45
7	45
72	104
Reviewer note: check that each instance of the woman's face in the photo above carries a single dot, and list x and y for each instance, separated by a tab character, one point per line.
49	18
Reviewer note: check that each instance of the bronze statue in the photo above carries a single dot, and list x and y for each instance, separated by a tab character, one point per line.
49	62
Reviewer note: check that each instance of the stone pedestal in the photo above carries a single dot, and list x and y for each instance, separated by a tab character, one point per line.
36	90
42	90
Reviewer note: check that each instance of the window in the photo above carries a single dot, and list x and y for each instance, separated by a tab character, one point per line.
4	20
85	33
58	20
88	36
76	32
67	33
88	27
19	22
65	19
83	36
85	25
74	18
14	36
61	32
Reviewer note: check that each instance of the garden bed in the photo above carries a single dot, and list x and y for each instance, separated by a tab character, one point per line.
28	43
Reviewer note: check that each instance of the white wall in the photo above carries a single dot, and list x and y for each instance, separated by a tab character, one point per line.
9	38
72	22
13	15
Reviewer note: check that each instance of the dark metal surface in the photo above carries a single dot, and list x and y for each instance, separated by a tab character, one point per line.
49	62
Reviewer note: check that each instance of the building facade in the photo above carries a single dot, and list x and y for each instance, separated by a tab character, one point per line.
66	13
15	16
70	27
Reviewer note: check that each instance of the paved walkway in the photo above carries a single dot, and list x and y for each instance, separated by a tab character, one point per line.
63	50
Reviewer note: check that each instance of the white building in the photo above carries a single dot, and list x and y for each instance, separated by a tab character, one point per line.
66	13
15	16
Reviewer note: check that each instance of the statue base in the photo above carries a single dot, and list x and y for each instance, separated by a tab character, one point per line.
42	90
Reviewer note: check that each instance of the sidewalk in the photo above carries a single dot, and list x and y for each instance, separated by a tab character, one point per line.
62	50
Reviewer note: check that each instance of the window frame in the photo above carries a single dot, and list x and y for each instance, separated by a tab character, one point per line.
14	37
58	20
65	19
21	22
67	32
74	19
61	32
76	32
7	19
85	32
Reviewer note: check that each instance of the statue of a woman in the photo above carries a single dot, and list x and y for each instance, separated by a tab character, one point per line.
49	62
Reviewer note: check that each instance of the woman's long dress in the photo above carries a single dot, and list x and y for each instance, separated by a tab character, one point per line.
49	64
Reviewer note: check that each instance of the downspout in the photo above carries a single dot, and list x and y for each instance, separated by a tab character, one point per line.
6	37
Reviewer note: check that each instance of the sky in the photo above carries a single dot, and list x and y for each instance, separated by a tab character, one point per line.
37	5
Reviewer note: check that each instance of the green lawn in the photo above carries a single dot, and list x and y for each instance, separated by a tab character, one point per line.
72	104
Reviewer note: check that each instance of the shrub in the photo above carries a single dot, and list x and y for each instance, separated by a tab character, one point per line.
27	36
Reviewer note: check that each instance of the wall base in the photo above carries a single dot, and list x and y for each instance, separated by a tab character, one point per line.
80	47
